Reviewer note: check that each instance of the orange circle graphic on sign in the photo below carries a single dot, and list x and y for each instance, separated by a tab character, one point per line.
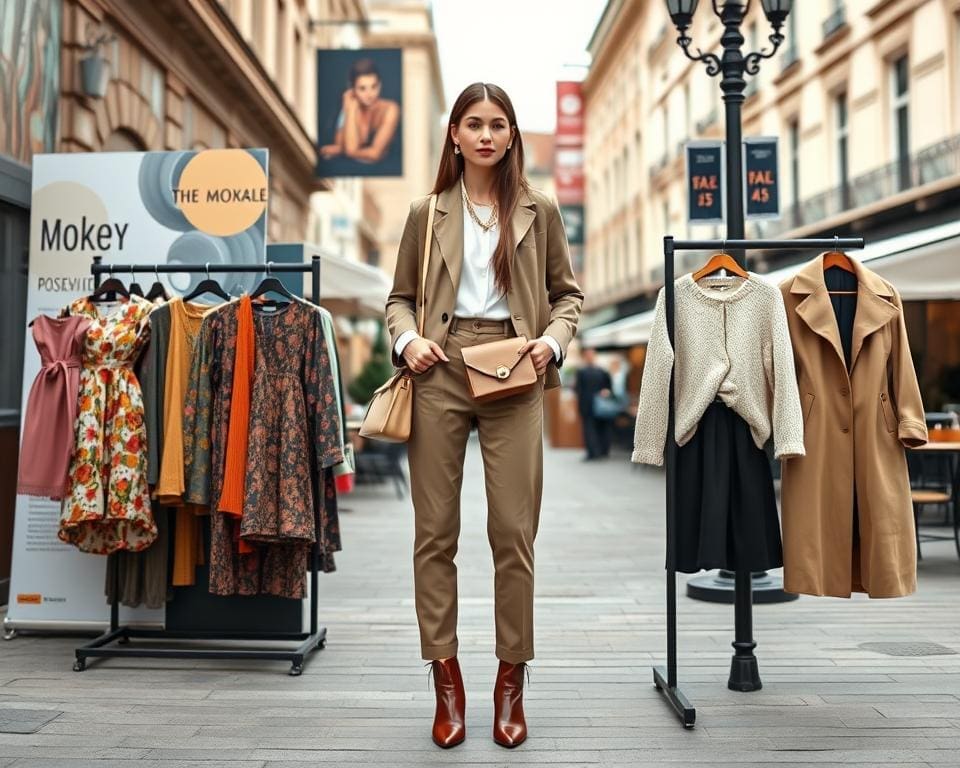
222	191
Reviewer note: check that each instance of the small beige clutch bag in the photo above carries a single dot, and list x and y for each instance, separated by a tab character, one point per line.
497	370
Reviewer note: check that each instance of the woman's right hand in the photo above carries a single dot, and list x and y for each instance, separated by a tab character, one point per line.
421	355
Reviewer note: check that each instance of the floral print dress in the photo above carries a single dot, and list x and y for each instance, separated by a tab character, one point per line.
294	436
108	505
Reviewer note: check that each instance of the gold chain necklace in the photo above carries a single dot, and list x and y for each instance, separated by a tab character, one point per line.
487	225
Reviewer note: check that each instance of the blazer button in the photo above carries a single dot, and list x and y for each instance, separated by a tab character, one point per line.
844	391
517	317
844	429
445	317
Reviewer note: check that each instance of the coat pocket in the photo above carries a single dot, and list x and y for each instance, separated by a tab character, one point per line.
889	420
808	399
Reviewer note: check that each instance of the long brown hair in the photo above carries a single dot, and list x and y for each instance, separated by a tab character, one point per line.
510	179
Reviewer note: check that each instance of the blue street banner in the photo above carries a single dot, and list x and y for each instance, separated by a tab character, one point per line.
704	182
762	177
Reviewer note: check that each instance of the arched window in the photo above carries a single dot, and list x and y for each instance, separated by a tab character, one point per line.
124	140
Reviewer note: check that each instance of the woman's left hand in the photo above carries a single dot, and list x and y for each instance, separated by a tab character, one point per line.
540	353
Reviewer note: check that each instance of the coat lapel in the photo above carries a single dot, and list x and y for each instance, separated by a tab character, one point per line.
874	309
522	220
448	231
816	310
448	227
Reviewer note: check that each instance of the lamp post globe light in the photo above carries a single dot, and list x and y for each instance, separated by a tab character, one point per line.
731	64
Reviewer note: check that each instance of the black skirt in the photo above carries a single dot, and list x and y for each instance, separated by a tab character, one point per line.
726	507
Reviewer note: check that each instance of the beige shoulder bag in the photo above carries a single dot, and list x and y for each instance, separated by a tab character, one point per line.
390	413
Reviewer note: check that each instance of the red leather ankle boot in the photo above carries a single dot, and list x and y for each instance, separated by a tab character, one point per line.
509	725
449	722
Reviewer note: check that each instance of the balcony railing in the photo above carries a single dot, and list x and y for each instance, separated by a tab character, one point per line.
834	22
930	164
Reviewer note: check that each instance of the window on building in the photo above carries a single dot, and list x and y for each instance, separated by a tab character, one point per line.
14	244
281	47
624	176
666	129
900	81
640	260
843	150
188	123
793	132
793	43
260	28
298	67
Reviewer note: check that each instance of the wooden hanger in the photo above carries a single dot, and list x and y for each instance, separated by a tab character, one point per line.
134	288
158	290
207	285
109	289
270	284
718	261
837	258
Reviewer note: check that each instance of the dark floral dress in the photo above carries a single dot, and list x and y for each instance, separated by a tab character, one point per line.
294	437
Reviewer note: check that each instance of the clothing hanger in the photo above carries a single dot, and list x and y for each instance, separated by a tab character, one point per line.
158	290
135	289
271	284
724	261
109	289
837	258
207	285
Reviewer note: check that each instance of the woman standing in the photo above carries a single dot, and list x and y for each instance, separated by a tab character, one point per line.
499	268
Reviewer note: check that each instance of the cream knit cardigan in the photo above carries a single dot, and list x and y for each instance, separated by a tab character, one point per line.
732	344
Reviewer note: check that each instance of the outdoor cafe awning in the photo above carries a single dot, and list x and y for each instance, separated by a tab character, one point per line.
923	265
352	288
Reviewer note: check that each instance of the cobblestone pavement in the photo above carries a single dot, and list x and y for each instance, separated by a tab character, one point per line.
827	699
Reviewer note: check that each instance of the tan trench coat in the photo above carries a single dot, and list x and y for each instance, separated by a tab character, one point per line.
855	430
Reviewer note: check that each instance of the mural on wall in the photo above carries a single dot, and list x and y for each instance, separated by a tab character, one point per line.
29	77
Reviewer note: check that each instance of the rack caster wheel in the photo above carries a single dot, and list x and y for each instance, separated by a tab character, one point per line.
296	670
321	645
123	640
10	634
79	665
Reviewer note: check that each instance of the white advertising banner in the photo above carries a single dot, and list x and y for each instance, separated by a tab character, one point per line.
130	208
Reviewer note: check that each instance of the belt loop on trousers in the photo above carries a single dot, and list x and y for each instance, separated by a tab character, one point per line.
480	325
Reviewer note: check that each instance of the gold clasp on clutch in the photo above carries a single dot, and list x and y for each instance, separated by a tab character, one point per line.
502	372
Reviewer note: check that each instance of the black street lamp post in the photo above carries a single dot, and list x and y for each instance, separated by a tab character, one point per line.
731	65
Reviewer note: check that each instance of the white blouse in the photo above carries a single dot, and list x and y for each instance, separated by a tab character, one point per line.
478	295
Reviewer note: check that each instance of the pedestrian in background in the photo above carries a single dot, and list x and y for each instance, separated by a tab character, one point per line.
592	380
499	268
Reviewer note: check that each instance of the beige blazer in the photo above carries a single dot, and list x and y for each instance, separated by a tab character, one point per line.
544	297
855	429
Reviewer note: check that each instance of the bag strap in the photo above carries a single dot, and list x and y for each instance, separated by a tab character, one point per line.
426	261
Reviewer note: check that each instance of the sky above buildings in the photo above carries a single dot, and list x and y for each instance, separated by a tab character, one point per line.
524	46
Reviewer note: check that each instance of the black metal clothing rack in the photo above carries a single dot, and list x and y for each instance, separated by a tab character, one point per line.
744	672
102	646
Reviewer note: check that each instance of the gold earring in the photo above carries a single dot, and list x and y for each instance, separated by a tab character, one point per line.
456	149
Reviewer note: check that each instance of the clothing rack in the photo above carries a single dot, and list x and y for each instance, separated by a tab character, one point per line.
744	671
315	639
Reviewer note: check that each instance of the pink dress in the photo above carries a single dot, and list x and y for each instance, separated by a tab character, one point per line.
48	430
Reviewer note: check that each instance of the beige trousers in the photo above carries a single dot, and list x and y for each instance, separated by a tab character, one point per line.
511	441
